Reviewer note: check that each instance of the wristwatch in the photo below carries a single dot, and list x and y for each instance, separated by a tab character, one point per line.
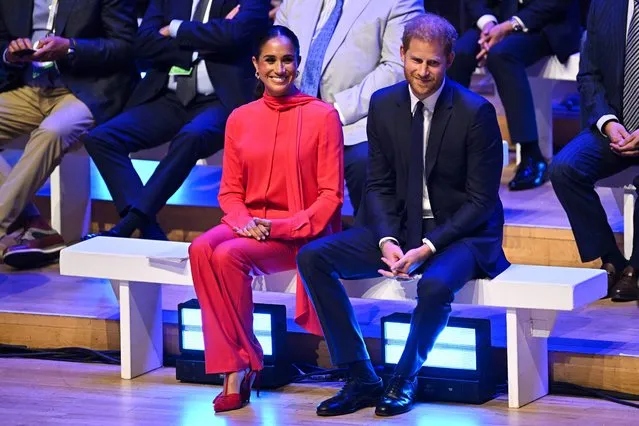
517	27
71	49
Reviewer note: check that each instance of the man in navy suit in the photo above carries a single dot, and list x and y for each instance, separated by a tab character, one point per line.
608	82
509	36
196	55
431	207
66	65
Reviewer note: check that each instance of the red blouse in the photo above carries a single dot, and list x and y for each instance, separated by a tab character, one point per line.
283	160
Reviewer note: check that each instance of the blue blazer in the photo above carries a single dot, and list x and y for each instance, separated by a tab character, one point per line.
225	45
600	78
462	167
102	72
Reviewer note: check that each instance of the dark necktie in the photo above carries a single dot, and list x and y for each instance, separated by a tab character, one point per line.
315	59
415	192
630	106
186	88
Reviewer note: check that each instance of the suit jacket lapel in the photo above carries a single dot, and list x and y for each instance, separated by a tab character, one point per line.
403	120
350	14
441	116
64	10
310	17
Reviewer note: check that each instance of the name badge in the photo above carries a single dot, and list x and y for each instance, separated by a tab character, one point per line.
180	71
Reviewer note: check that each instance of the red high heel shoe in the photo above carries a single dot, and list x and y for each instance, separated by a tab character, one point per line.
234	401
250	379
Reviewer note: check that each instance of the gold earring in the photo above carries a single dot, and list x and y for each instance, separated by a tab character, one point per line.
257	75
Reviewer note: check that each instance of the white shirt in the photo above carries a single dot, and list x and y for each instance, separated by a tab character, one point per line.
429	108
327	8
204	85
608	117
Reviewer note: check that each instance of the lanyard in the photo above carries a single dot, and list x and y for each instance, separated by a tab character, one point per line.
53	11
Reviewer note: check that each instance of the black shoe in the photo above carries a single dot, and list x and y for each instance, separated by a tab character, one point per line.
353	396
530	174
398	398
109	233
625	290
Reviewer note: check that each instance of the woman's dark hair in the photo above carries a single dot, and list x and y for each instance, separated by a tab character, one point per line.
271	33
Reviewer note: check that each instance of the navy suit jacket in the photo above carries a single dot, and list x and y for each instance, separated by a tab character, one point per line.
463	171
558	20
225	45
600	78
102	72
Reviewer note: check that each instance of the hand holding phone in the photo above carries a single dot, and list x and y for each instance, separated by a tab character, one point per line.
19	51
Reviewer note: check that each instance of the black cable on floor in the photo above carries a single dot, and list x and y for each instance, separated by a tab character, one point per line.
622	398
72	354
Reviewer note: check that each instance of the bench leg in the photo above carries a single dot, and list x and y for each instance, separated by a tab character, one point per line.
527	350
140	328
71	196
629	198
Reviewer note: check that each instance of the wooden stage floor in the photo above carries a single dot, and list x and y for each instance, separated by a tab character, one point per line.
34	392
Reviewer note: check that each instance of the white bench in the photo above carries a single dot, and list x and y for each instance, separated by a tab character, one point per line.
532	296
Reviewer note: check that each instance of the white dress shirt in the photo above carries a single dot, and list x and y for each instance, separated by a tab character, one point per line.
204	85
608	117
429	108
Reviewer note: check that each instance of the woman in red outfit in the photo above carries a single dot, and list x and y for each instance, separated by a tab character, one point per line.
282	185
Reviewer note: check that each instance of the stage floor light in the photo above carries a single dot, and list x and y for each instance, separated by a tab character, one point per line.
269	326
458	367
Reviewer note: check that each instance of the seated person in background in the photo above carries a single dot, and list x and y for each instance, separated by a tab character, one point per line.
197	72
529	31
608	83
282	185
80	73
431	207
349	50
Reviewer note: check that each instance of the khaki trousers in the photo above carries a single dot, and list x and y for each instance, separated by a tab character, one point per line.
55	121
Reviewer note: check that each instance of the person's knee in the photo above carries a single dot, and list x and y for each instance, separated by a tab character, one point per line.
561	170
102	138
56	135
499	58
198	144
309	256
434	291
200	247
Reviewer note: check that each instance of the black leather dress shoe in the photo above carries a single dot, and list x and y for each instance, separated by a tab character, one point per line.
109	233
398	398
353	396
625	290
613	277
530	174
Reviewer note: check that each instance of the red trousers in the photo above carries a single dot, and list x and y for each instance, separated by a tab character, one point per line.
222	265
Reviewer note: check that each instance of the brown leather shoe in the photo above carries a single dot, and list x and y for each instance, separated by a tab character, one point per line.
613	276
625	290
40	245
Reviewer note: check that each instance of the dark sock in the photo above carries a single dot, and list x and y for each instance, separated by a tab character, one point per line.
363	371
531	150
133	220
616	259
152	231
